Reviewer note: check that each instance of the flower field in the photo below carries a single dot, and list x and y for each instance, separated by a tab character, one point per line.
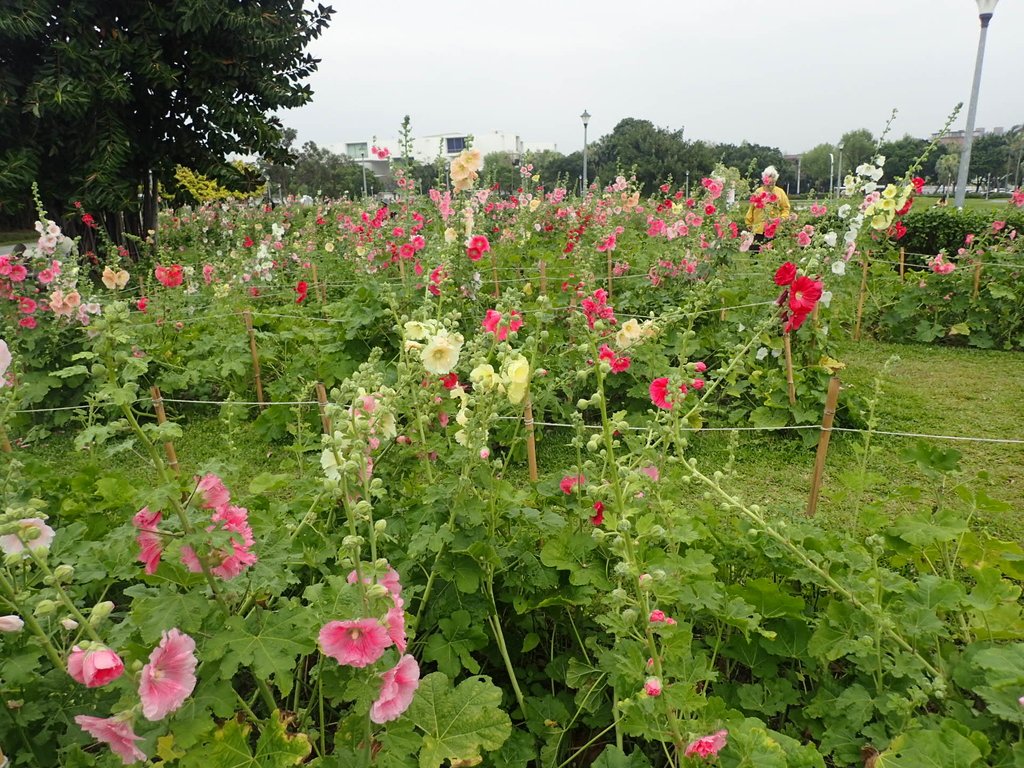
413	583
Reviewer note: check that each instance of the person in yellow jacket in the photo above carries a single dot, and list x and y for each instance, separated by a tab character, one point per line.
768	204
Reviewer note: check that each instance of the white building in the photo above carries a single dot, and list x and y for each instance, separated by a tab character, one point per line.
426	149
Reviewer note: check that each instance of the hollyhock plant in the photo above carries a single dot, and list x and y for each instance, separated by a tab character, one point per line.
398	686
211	492
229	562
116	733
617	364
804	294
169	277
598	517
301	290
493	323
5	361
94	667
170	676
653	687
707	746
659	392
357	643
148	539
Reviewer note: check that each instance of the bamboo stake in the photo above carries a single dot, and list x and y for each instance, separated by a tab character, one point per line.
977	280
831	400
161	417
247	316
721	315
321	398
321	291
790	385
531	445
903	263
5	442
860	296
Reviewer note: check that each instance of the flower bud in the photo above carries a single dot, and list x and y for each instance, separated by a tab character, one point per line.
69	624
64	573
380	526
629	615
377	591
100	611
45	607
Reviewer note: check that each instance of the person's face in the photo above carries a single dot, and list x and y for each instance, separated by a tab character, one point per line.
769	182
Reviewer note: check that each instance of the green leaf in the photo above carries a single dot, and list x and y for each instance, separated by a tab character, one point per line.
944	748
458	723
613	757
267	641
276	748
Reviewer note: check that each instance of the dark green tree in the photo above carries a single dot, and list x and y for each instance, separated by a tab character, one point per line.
900	155
100	99
815	168
859	146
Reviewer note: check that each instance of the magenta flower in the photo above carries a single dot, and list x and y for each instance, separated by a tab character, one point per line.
707	746
212	492
33	531
398	685
234	559
94	667
149	540
356	643
170	676
653	687
571	481
116	734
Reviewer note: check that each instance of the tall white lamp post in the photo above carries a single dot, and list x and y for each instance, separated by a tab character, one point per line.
985	11
585	117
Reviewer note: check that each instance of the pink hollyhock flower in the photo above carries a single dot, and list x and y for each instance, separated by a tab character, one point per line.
95	667
208	273
803	239
657	617
230	562
148	538
169	277
598	517
700	367
170	676
571	481
480	243
659	393
212	492
11	623
396	628
33	531
1017	198
116	734
398	685
651	471
653	686
707	746
357	643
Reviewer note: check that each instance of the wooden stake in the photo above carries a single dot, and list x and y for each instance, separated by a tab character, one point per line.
860	296
831	400
531	445
977	280
790	386
321	398
161	417
247	316
5	442
721	315
321	291
543	277
903	263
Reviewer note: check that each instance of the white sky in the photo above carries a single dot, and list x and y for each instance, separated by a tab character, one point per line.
789	73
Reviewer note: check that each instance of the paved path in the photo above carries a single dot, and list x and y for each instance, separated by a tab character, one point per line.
6	249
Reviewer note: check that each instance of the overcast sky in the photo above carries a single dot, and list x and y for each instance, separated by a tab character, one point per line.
789	73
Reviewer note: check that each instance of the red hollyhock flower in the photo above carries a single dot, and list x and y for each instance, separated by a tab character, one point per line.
906	207
785	274
598	517
918	183
301	288
451	381
804	294
248	242
770	227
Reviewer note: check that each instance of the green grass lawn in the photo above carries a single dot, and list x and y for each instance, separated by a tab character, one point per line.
930	389
17	236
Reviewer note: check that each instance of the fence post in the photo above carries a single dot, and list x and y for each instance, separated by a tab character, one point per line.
321	399
861	294
790	385
903	263
321	291
977	280
831	400
247	316
531	445
161	417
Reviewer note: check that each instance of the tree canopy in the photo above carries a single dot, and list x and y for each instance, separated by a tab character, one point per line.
97	95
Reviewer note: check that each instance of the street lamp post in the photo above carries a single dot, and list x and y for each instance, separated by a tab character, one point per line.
363	164
585	117
985	10
831	172
799	162
839	170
